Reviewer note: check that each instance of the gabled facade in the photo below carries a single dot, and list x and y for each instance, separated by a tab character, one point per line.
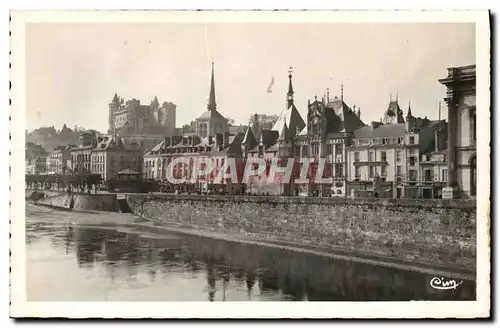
330	127
111	156
389	155
193	148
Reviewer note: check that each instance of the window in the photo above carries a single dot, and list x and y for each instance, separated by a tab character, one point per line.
357	173
339	170
372	171
427	175
398	155
412	161
383	156
370	156
444	175
329	149
398	170
412	140
413	175
305	151
356	157
315	148
384	170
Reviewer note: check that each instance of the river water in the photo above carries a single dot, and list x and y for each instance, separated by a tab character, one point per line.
73	262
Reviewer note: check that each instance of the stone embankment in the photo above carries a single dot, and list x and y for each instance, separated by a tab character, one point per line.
81	202
436	233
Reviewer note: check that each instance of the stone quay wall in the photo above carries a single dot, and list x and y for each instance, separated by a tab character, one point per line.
82	202
429	232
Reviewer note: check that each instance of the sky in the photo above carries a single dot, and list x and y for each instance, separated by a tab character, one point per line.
73	70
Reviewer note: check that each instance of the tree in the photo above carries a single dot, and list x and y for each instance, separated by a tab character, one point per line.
230	121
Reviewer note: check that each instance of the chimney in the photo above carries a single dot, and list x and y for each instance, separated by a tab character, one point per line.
219	139
226	139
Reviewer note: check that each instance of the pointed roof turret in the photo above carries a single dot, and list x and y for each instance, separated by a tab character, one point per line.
283	133
409	109
115	98
393	114
290	87
155	103
249	141
212	105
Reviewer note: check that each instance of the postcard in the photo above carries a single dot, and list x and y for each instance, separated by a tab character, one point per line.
250	164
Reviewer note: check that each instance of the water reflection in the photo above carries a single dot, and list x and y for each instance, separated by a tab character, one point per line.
251	271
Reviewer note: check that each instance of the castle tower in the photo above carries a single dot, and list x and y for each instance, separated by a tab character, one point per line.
114	105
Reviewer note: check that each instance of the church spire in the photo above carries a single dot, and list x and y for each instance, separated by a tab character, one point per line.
289	95
212	105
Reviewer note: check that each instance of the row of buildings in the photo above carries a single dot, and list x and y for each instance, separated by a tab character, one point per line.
401	156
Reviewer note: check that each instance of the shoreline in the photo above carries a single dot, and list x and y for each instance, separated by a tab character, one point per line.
130	220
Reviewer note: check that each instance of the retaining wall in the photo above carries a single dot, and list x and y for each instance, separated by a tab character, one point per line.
437	232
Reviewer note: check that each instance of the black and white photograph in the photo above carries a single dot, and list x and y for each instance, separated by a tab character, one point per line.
180	164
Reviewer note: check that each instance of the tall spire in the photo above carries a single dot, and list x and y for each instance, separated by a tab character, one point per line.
289	95
212	105
342	92
409	109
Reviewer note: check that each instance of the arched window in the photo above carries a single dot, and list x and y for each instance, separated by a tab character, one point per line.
473	175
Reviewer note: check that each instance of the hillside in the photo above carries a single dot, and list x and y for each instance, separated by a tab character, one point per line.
49	138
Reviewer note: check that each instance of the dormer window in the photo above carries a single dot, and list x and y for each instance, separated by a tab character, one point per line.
261	150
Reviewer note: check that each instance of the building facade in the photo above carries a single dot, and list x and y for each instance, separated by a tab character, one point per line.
111	156
195	152
461	100
330	127
81	154
390	155
57	160
38	165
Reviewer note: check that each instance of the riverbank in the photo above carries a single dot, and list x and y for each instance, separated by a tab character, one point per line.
106	220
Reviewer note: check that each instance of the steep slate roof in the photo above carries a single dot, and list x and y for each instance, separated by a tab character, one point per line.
290	123
385	130
249	139
345	121
110	143
267	138
211	114
393	110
